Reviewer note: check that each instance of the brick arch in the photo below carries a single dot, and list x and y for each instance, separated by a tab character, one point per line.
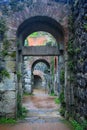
44	60
54	11
41	23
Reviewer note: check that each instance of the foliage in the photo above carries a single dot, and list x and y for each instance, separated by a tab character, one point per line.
61	97
19	75
24	113
13	54
71	65
62	101
3	27
62	111
71	25
77	50
71	51
4	73
52	94
62	75
78	126
35	34
85	26
21	111
19	106
6	45
57	100
7	121
4	53
71	78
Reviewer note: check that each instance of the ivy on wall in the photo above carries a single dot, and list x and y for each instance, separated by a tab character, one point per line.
3	28
71	50
3	72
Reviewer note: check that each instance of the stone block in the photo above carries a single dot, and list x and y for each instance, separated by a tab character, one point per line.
28	88
29	72
9	58
27	81
11	78
2	86
9	85
10	66
9	106
81	81
10	95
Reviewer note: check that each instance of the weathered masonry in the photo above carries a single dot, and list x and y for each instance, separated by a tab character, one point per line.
70	31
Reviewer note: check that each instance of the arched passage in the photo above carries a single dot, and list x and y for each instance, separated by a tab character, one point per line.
37	81
41	60
40	23
41	67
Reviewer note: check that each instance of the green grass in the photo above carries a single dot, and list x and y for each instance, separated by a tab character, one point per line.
14	121
7	121
66	122
78	126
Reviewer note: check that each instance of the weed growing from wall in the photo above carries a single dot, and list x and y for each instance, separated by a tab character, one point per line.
4	74
19	75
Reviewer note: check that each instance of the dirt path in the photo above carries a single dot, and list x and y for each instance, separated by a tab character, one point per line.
42	114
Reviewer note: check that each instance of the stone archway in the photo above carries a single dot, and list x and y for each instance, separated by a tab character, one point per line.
41	59
28	69
44	73
37	82
39	23
38	79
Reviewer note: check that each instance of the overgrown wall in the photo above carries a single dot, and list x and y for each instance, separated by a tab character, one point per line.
80	46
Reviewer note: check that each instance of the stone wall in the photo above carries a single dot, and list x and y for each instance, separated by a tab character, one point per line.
80	44
8	80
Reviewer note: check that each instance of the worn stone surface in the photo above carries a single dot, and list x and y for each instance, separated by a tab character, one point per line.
10	66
